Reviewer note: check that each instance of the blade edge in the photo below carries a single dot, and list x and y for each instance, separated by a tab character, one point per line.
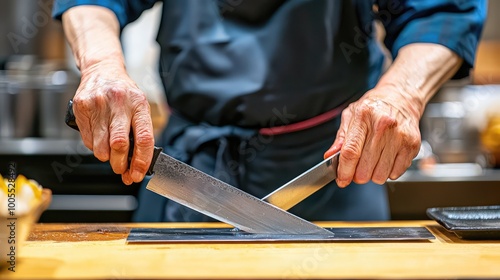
210	196
304	185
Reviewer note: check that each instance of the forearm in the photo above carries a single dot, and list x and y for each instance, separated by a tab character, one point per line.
108	105
93	34
419	71
379	134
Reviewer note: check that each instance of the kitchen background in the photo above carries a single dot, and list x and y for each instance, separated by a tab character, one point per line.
459	163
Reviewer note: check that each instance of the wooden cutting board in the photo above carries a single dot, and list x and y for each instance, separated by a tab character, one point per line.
99	251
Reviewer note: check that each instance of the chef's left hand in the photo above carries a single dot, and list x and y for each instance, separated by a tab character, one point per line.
378	137
379	134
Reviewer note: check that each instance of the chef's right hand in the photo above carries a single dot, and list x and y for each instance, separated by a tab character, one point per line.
107	105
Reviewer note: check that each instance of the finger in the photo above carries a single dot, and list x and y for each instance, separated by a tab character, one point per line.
143	142
100	132
101	140
85	133
336	146
351	150
339	141
402	162
83	122
368	159
340	137
384	165
407	152
127	179
119	142
381	132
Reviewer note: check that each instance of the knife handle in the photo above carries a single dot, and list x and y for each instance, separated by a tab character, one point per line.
70	120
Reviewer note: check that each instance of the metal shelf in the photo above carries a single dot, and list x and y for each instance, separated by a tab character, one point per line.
42	146
484	175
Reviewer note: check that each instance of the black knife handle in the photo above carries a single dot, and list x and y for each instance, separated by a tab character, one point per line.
70	120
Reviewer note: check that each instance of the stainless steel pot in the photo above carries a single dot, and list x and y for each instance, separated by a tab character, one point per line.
17	106
56	89
24	24
448	131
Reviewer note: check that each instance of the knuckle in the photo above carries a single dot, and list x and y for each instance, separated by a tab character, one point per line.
119	143
145	139
351	151
88	103
414	144
140	165
386	122
82	103
363	110
118	93
346	114
139	97
411	145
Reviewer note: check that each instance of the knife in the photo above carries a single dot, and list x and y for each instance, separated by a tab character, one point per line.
197	190
307	183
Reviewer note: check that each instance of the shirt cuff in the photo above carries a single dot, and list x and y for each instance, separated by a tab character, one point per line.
61	6
454	35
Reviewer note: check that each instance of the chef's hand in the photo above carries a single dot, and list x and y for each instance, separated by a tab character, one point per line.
108	104
378	137
379	134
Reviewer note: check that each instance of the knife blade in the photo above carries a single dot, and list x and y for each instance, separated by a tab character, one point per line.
307	183
191	187
201	192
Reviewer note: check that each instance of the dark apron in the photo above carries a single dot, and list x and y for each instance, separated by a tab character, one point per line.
229	76
258	164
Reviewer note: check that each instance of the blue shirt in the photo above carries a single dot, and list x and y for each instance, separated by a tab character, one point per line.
222	64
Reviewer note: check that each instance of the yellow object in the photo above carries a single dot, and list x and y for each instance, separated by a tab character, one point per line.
28	194
3	185
23	182
491	135
20	183
490	138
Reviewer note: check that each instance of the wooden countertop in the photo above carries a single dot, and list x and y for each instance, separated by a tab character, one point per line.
99	251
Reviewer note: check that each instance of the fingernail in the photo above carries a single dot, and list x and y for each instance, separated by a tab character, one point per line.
136	175
126	181
342	184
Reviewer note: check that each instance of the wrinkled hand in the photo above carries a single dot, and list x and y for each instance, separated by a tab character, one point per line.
378	137
106	106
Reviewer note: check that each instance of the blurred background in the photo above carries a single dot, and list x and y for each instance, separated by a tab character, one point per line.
459	162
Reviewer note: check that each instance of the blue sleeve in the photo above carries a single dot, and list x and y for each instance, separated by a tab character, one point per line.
455	24
125	10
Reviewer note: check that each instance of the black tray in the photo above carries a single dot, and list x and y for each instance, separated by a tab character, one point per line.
474	222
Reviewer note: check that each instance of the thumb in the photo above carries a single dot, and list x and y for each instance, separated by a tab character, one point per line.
337	144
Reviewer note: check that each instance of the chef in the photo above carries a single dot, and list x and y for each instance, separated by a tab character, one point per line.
260	91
